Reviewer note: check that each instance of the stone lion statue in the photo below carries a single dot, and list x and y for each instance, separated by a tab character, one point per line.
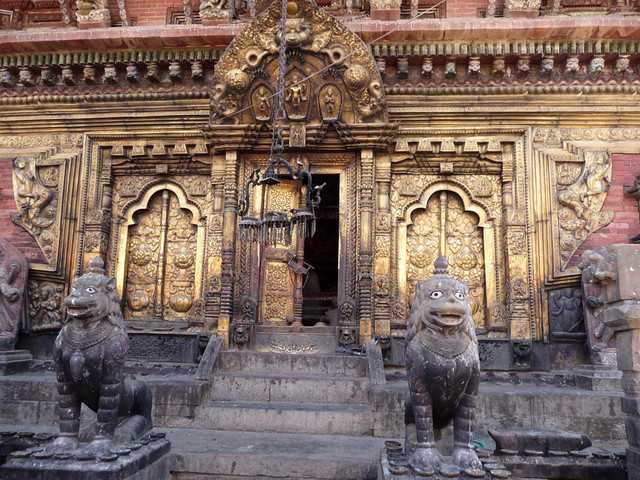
89	355
443	368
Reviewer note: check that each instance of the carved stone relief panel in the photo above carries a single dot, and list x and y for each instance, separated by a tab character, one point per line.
44	305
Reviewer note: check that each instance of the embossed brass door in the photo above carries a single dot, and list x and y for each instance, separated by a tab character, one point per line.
161	261
444	227
279	295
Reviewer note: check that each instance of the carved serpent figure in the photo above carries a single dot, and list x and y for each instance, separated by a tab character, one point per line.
89	354
444	371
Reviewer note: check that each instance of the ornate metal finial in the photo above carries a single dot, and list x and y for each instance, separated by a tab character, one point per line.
440	266
96	265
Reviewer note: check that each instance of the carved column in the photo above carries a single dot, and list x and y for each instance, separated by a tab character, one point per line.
228	243
382	262
365	261
517	259
214	243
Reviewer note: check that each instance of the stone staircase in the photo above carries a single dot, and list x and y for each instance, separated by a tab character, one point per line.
303	410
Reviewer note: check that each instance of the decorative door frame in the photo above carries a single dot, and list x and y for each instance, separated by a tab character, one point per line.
141	203
486	223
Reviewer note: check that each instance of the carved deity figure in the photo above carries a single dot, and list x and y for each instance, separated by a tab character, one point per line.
31	195
13	277
213	9
444	372
296	96
89	355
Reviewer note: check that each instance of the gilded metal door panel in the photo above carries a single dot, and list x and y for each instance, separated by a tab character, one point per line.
161	267
278	287
444	227
180	265
143	253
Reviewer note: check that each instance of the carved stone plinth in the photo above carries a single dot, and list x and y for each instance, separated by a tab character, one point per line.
224	17
597	377
14	361
620	311
147	460
386	14
522	13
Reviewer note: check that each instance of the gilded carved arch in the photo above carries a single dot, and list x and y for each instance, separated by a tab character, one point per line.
471	204
321	51
181	257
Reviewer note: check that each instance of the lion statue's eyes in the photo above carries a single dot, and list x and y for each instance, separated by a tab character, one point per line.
91	290
436	294
460	295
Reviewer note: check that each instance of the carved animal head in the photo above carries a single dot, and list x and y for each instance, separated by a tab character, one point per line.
93	297
441	301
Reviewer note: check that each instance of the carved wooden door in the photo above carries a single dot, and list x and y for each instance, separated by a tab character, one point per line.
444	227
161	261
278	283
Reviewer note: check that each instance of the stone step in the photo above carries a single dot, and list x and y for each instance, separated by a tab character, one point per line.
232	455
273	362
284	417
287	387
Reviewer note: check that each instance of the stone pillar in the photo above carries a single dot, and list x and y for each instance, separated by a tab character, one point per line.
365	260
230	213
620	298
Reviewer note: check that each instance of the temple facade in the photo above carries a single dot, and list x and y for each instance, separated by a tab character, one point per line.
501	135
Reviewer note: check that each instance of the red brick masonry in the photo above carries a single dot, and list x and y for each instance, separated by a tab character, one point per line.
453	29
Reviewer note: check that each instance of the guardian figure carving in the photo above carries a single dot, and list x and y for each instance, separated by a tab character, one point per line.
444	371
89	354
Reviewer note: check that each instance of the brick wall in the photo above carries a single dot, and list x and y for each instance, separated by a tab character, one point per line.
465	8
626	222
144	12
8	230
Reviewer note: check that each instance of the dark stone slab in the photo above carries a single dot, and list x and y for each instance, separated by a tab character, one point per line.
209	358
128	462
14	361
523	440
164	347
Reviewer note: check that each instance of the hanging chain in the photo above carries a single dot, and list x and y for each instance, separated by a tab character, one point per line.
277	140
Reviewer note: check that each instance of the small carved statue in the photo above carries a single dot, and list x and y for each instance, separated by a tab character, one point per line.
213	9
443	367
89	355
598	271
13	277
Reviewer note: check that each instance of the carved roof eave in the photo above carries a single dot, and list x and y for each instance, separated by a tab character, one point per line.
377	136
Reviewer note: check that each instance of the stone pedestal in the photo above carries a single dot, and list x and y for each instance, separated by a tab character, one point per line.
14	361
385	14
147	460
597	377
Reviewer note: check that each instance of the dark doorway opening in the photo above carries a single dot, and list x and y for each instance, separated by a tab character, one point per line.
320	291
